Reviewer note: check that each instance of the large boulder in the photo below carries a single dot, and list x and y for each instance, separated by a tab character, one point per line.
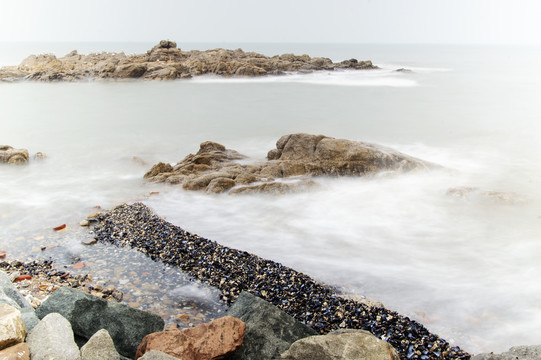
12	329
214	340
11	296
297	158
53	338
88	314
9	155
515	353
269	330
351	345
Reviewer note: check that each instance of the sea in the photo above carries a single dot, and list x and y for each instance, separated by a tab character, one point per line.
467	267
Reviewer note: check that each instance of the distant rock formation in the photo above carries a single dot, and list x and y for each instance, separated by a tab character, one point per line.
9	155
290	167
167	62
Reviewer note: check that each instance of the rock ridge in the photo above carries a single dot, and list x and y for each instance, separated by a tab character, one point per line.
166	61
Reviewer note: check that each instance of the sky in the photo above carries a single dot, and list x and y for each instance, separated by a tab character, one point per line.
318	21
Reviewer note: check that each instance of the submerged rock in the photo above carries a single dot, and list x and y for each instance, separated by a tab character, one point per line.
515	353
470	192
297	158
166	61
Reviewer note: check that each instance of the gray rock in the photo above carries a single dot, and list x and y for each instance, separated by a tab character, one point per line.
88	314
11	296
157	355
100	347
349	344
52	338
515	353
269	330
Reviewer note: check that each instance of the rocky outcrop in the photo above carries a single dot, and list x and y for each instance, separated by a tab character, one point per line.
214	340
341	344
290	167
269	330
53	338
88	314
166	61
515	353
9	155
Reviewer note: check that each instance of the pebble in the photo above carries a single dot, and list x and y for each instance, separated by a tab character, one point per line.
59	227
84	223
233	271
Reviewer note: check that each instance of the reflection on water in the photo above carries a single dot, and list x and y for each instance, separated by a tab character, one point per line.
463	266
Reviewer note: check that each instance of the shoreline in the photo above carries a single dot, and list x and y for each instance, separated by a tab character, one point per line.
232	271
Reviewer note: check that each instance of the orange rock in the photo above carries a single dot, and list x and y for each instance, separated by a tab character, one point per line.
59	227
154	193
23	277
16	352
2	254
214	340
79	265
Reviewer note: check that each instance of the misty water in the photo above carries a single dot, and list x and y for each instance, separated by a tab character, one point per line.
467	268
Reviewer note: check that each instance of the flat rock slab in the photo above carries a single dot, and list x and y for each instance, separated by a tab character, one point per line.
52	338
269	330
12	329
515	353
214	340
88	314
351	345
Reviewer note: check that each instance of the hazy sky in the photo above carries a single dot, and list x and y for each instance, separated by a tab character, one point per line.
359	21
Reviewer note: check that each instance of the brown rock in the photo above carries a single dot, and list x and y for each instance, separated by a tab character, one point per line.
157	169
9	155
130	71
214	340
16	352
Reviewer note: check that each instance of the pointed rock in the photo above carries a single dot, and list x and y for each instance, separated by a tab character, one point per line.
100	347
53	338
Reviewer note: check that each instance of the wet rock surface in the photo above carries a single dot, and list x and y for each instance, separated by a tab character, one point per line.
233	271
290	167
166	61
515	353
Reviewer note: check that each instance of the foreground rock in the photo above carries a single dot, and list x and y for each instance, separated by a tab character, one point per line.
20	351
12	329
167	62
515	353
88	314
215	169
215	340
9	295
233	271
9	155
53	338
270	331
99	347
341	344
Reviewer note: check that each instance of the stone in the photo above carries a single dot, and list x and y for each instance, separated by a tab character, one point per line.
269	330
349	344
515	353
53	338
20	351
130	71
12	329
499	197
157	355
11	296
216	169
99	347
88	314
9	155
214	340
